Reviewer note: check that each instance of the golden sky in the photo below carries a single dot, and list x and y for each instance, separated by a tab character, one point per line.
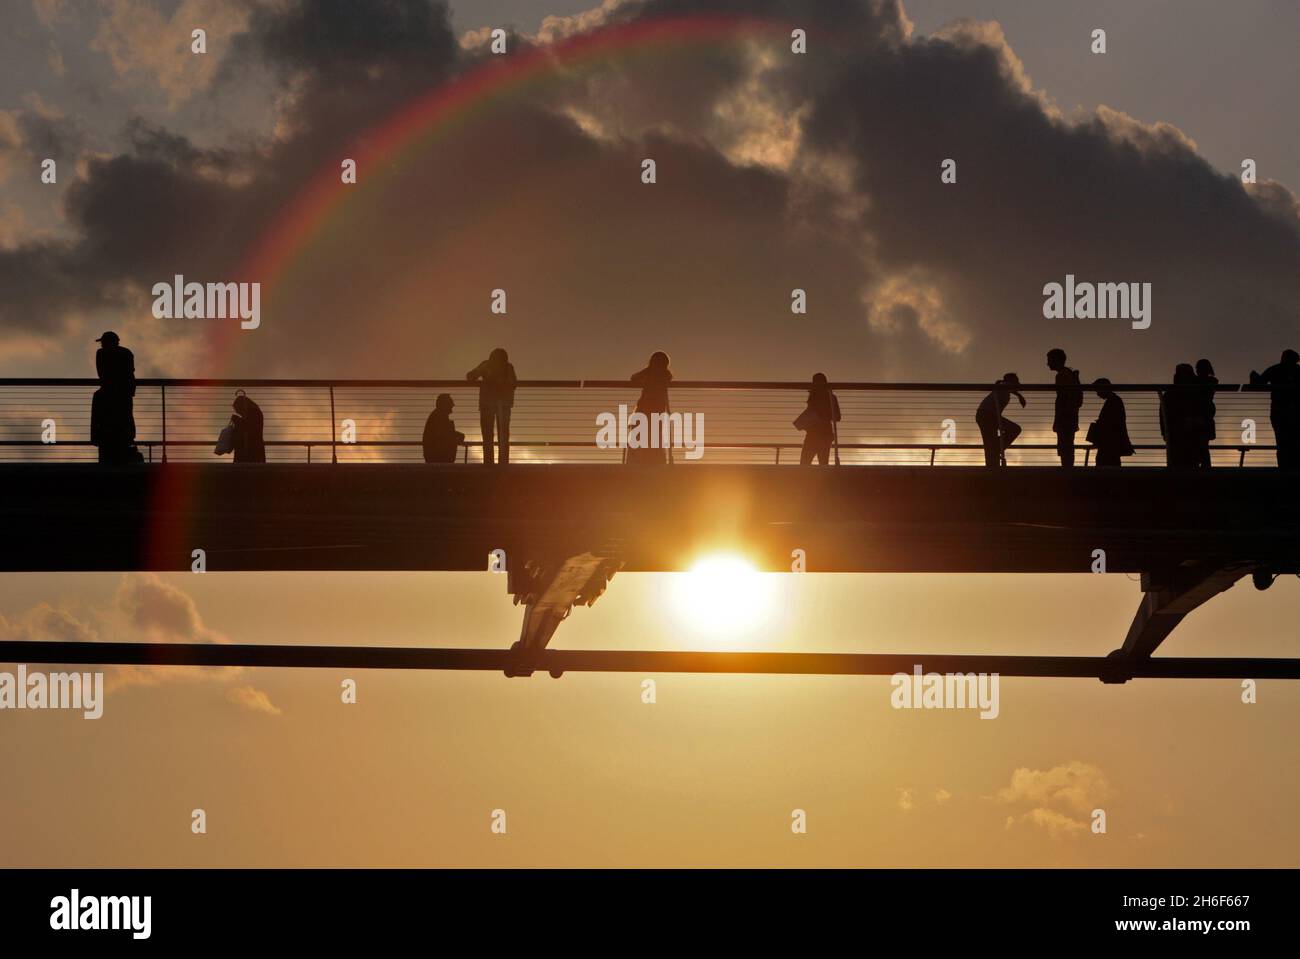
709	774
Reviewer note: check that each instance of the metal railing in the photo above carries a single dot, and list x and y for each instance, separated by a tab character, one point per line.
554	421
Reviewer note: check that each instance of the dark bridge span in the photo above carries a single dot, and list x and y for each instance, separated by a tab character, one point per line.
862	519
566	530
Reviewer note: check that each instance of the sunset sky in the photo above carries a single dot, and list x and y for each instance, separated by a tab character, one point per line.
820	172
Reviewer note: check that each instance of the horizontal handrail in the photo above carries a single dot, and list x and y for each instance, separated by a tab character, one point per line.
228	382
580	444
882	422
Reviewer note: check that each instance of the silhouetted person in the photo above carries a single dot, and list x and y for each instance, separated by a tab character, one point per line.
1109	434
1283	379
1206	411
496	397
441	440
653	380
247	442
998	432
818	422
112	413
1069	397
1178	418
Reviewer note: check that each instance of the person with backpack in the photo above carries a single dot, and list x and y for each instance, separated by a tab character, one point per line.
1069	397
817	422
441	439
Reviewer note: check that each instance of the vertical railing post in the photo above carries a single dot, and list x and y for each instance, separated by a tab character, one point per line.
164	424
334	430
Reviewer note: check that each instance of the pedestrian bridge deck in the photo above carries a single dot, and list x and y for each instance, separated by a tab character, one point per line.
846	519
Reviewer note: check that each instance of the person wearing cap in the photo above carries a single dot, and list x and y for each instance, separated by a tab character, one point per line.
112	414
996	431
1109	434
441	440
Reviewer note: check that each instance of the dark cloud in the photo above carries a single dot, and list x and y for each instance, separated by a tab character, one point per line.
341	39
774	172
58	138
1038	197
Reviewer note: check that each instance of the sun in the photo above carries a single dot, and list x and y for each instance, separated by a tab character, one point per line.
721	596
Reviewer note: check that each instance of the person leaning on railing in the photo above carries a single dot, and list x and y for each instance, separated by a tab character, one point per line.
653	380
112	413
496	397
1283	381
996	431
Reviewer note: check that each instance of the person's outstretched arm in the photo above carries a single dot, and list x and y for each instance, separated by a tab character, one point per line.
476	373
1017	395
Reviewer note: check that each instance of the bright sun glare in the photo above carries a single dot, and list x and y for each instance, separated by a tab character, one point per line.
721	596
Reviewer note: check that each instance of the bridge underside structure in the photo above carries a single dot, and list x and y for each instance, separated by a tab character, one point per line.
563	531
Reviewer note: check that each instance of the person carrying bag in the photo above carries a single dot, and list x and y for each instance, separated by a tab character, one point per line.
818	422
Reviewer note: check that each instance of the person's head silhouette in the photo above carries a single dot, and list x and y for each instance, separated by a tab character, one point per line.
444	403
1204	368
1290	357
109	339
1102	386
1056	359
498	357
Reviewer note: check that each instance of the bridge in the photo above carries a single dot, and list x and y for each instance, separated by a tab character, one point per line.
566	516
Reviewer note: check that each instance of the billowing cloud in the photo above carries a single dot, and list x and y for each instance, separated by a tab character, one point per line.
775	171
155	51
1060	800
254	700
146	609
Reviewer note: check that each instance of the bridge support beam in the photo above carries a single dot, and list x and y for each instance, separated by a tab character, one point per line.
548	590
1168	596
